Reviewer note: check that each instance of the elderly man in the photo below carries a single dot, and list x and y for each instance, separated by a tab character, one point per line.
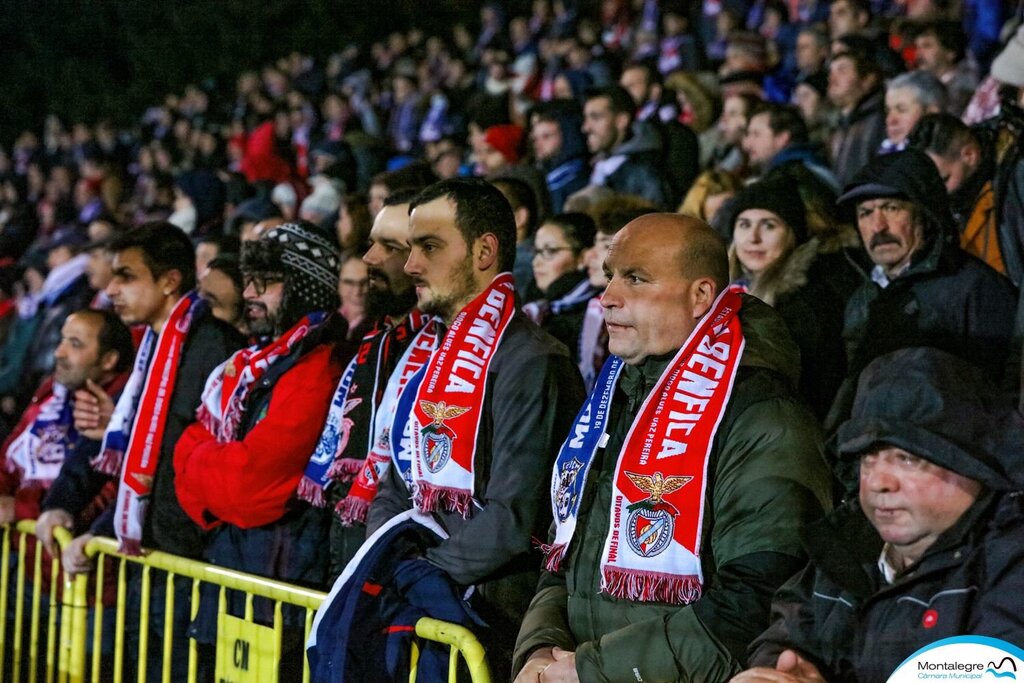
923	289
661	567
931	548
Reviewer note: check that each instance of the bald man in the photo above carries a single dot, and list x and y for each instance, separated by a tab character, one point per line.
680	490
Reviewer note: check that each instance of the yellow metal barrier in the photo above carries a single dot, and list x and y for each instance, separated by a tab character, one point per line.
246	650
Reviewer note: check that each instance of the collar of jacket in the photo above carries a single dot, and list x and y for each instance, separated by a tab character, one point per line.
637	381
870	104
845	547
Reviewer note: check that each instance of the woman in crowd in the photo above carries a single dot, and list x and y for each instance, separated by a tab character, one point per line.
775	258
558	297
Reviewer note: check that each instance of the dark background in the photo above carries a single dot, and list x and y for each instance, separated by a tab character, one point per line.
84	60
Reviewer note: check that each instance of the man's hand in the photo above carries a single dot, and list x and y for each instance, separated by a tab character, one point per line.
6	509
74	559
790	668
45	525
93	409
563	670
535	665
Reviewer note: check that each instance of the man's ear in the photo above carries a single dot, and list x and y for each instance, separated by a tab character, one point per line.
703	293
170	282
622	122
970	154
109	360
486	248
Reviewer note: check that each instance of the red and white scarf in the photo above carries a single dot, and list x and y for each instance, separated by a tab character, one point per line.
223	402
447	408
652	551
131	444
354	506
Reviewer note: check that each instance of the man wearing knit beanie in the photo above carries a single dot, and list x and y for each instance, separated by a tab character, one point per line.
240	466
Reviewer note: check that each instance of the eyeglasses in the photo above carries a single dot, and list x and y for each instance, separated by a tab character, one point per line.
548	253
260	281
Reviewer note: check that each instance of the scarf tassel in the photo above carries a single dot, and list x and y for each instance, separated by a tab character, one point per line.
554	553
311	492
431	497
344	470
352	511
640	586
108	462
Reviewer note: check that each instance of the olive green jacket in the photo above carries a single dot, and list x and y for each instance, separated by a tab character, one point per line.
767	478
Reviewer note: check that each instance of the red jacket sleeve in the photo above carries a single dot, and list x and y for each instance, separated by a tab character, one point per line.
249	483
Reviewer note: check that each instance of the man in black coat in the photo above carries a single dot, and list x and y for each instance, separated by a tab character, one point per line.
932	547
923	289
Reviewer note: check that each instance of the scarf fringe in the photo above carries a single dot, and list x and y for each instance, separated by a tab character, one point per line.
131	547
352	511
641	586
431	497
311	492
108	462
344	470
554	553
206	418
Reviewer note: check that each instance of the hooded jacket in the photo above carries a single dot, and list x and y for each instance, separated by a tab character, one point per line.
946	299
634	167
840	613
567	171
767	478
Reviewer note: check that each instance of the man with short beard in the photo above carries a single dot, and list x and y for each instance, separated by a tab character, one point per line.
477	425
348	465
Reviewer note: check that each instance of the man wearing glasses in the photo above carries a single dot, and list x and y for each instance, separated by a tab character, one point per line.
240	467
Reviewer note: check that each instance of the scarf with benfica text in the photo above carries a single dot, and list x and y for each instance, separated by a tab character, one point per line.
438	415
651	553
131	444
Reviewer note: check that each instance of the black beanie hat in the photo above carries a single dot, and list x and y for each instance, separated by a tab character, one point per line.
779	196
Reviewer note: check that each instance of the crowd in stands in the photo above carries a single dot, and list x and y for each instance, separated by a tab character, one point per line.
449	293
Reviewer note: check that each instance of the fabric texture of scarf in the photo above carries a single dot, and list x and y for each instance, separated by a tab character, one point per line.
38	452
439	413
223	401
652	551
131	444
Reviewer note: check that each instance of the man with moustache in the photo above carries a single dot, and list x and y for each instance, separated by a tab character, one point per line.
476	428
922	289
345	465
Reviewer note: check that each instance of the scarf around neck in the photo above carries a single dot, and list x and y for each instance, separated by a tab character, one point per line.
438	415
222	405
132	443
652	550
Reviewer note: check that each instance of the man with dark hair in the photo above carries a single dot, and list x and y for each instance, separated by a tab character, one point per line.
476	426
240	467
559	149
777	136
661	567
923	289
95	351
941	50
524	209
931	545
848	16
855	87
220	286
812	50
351	453
965	161
627	157
154	272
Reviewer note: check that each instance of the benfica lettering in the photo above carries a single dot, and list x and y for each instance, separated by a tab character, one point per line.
471	360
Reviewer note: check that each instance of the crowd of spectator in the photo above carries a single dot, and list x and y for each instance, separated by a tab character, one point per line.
224	332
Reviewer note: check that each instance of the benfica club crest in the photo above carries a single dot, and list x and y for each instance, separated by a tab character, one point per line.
437	436
651	521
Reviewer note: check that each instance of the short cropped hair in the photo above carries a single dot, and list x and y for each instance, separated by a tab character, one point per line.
480	208
164	248
783	118
929	91
941	134
619	99
114	335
